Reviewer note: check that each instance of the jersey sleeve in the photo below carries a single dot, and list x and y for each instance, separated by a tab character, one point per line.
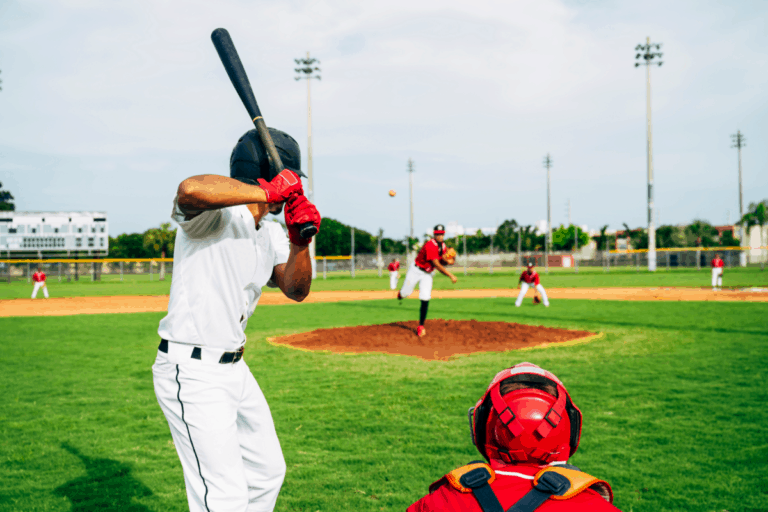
209	221
537	282
279	242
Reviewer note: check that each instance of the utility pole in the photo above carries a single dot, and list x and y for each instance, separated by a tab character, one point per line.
308	71
410	189
739	142
380	261
548	239
645	57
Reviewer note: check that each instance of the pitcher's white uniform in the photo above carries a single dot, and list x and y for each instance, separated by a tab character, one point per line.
527	279
219	419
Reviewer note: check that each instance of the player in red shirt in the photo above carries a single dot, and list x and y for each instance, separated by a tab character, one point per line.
430	257
527	427
717	273
39	279
529	278
394	273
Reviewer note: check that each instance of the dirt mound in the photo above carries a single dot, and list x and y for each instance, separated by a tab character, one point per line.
445	338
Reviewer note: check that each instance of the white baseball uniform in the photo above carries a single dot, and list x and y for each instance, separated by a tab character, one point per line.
526	281
717	273
416	276
394	274
219	419
39	278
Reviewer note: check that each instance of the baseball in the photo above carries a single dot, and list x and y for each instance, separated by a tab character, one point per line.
392	193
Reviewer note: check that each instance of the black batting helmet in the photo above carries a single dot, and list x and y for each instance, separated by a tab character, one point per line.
250	162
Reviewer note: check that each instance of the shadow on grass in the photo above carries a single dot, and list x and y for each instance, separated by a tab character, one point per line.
518	315
108	485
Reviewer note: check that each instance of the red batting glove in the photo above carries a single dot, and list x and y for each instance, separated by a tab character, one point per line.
281	186
299	211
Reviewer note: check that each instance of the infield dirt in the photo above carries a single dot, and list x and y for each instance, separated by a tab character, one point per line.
444	339
62	306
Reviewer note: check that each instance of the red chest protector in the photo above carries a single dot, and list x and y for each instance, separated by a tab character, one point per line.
476	487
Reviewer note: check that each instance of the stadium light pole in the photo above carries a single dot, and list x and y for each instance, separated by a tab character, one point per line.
410	192
307	70
645	56
739	142
548	238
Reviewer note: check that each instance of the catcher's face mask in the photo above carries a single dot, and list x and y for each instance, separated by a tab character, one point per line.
535	423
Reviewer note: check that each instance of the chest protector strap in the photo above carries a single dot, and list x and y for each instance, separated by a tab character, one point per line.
476	478
560	484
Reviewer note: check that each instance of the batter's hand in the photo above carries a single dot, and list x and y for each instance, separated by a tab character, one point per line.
282	186
298	211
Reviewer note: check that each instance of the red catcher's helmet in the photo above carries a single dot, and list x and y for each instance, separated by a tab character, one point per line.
527	425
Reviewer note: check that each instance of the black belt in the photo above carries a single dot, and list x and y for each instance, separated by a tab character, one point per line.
226	357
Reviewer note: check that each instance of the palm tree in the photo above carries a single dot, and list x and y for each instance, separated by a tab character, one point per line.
160	240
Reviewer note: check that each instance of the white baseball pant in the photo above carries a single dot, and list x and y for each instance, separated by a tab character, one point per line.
524	288
717	277
394	275
416	276
223	432
38	285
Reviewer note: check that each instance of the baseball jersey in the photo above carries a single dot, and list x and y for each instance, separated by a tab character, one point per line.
431	250
532	278
394	266
717	263
509	486
38	277
220	263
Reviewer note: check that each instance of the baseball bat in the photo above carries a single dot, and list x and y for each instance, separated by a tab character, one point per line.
236	72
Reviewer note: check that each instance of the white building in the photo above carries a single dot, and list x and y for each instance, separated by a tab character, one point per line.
54	232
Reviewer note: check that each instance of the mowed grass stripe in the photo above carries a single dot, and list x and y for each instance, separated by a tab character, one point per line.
673	397
506	277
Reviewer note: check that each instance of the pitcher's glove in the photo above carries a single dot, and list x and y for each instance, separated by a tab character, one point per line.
298	210
536	299
449	256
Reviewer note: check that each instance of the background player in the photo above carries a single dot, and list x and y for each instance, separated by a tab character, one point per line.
529	278
394	273
432	256
717	273
39	279
220	421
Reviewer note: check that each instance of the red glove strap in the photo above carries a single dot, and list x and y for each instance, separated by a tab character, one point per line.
299	211
281	187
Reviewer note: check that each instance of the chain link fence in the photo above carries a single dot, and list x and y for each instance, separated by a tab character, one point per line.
69	270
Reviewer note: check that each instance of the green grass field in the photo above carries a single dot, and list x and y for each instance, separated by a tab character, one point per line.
674	401
368	280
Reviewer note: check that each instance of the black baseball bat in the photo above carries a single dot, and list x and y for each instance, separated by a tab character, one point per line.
234	67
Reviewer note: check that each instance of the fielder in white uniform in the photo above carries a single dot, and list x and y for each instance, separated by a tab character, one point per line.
529	278
224	254
39	279
394	273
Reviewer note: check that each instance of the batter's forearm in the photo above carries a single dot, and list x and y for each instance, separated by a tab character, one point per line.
297	278
211	192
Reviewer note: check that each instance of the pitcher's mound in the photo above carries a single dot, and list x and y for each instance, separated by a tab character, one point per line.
445	338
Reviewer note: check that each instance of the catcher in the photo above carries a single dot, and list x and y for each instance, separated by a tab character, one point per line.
434	254
526	426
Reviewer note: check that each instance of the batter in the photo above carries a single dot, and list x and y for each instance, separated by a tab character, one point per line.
717	273
430	257
225	253
394	273
529	278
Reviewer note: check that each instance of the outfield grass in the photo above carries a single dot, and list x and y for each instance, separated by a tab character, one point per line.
674	401
368	280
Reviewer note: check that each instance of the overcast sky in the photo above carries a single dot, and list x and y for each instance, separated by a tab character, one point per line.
109	105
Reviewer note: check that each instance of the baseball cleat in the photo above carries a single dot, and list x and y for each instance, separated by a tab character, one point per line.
421	331
399	297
